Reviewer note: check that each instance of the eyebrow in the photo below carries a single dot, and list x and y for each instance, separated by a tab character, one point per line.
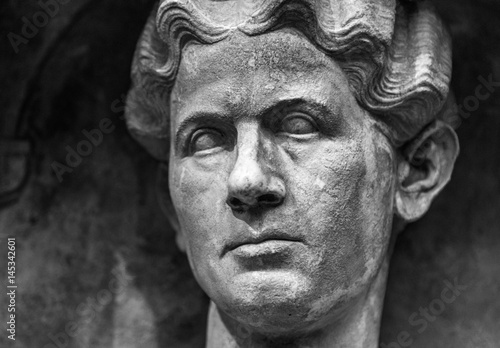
283	104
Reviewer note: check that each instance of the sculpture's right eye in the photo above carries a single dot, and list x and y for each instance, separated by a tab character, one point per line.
205	141
298	124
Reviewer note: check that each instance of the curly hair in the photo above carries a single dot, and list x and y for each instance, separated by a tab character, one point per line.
395	54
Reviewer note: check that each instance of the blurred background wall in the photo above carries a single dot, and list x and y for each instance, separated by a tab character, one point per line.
97	265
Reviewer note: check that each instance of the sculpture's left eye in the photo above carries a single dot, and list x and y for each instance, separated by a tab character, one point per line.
205	140
298	124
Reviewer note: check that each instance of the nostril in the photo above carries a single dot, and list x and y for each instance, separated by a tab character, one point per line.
269	199
235	203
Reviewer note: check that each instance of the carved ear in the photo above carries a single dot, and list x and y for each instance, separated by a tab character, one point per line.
424	170
163	194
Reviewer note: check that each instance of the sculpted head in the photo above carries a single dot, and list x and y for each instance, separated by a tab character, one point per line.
296	138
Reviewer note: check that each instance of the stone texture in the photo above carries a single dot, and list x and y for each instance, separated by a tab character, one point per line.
104	216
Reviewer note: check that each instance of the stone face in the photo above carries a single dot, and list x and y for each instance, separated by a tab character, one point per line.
70	235
293	146
274	169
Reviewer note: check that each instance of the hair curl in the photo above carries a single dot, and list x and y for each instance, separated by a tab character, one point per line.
396	55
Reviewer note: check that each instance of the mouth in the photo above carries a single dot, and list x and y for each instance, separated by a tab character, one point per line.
266	243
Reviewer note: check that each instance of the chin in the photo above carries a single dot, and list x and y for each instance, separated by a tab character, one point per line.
277	303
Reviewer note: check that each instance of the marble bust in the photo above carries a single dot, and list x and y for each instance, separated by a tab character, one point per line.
295	140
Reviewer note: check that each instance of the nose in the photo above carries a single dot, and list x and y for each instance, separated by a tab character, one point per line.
253	182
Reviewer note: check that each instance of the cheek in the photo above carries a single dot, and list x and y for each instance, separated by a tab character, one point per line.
366	220
199	198
196	186
343	214
349	208
379	187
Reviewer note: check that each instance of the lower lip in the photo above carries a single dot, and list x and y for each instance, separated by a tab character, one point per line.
267	248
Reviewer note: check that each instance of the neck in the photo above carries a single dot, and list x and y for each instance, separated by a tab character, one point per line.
359	329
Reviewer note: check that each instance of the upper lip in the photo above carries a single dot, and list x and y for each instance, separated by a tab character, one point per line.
260	237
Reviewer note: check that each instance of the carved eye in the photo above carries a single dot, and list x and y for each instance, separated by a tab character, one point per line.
206	139
298	124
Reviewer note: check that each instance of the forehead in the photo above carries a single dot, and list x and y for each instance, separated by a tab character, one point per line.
243	71
277	50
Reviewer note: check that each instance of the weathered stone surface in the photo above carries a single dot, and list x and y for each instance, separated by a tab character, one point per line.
301	138
105	216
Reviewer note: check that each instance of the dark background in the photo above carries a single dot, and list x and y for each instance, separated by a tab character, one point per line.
102	223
